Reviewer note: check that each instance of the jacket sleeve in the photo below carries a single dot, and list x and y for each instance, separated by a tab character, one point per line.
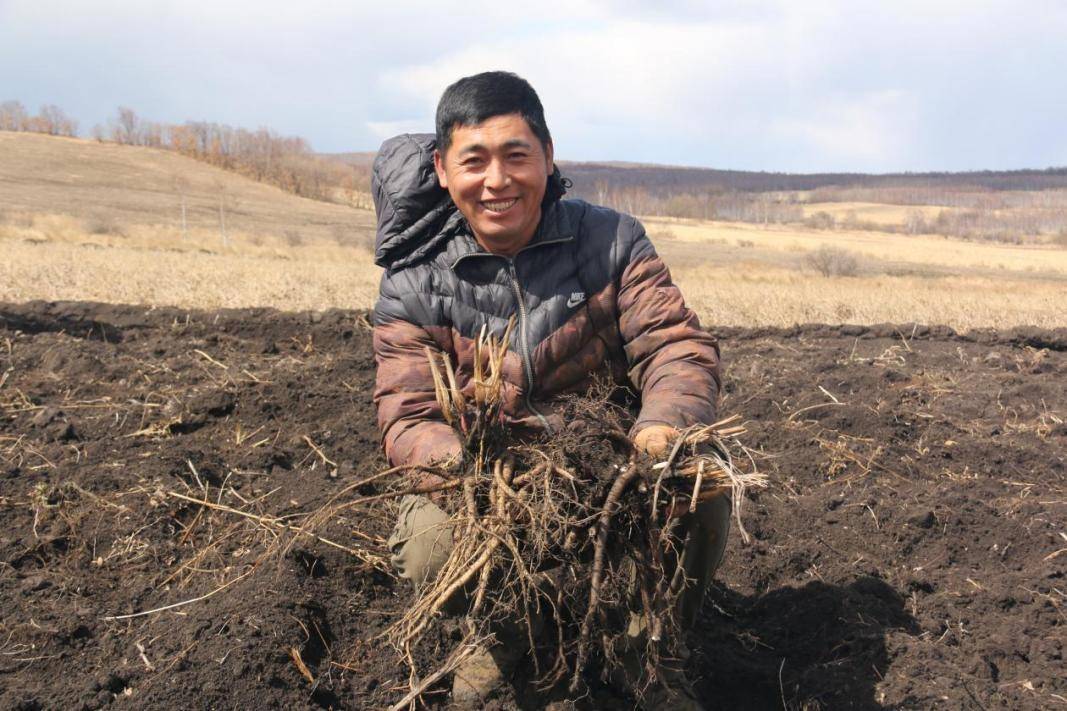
412	426
672	361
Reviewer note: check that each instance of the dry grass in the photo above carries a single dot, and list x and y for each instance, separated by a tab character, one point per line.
873	212
113	188
727	284
747	295
119	239
311	278
773	243
741	274
36	228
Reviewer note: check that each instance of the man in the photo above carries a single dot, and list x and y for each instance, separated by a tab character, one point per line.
472	231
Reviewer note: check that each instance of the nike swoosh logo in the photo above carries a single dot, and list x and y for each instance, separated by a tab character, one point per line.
573	301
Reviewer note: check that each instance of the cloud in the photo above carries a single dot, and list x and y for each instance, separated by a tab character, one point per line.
866	132
387	129
770	84
784	86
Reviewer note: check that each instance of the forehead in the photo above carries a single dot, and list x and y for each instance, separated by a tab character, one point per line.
493	133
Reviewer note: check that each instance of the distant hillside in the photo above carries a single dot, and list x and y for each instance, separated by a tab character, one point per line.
109	187
591	178
359	159
1011	206
664	181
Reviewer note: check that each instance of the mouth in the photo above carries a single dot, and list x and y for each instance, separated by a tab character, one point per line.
499	206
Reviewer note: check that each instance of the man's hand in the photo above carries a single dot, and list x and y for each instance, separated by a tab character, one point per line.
449	459
655	440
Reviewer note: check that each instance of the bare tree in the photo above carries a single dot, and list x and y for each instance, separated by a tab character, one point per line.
55	122
13	116
181	186
227	203
126	128
151	134
915	222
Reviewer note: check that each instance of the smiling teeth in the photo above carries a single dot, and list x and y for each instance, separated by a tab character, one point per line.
499	206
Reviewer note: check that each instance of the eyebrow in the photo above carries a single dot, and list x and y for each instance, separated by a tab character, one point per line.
508	145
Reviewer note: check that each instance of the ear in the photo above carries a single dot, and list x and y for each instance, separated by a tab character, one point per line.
549	156
439	167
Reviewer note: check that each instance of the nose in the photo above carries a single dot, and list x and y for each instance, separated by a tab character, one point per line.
496	175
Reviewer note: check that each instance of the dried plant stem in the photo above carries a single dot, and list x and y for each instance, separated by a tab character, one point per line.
318	451
442	598
172	606
611	503
696	487
453	662
422	489
366	556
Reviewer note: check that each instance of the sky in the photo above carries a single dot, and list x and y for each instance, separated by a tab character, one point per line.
774	85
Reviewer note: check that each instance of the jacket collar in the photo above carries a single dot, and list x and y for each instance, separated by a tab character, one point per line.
555	227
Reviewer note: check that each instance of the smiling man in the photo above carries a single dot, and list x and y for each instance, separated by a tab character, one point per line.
496	173
472	231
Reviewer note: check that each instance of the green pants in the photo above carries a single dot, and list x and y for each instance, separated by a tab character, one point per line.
421	540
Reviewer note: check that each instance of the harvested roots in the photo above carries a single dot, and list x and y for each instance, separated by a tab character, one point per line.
578	532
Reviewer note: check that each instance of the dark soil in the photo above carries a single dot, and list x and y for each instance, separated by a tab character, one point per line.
910	552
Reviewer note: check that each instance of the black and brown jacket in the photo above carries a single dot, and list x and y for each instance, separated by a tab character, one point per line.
589	294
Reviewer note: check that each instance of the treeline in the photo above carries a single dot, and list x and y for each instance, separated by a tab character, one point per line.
50	120
990	205
285	161
974	197
730	205
663	182
999	205
1015	212
976	213
1017	226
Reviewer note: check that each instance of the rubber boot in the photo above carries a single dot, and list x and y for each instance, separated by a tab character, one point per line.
490	667
709	527
482	673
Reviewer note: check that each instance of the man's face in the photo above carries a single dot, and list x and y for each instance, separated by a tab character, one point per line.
496	172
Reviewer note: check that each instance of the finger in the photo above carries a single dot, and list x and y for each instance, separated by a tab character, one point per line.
657	444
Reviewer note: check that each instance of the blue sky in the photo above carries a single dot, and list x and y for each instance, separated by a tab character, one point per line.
779	85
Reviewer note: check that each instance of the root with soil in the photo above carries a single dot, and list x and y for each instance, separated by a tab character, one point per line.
579	531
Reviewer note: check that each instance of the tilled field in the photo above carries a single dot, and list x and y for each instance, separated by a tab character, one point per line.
910	552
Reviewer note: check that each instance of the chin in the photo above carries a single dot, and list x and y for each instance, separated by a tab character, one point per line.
503	234
498	232
501	238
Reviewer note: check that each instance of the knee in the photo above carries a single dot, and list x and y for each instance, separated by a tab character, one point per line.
421	540
715	515
714	526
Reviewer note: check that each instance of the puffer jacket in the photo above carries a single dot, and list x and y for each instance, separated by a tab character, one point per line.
589	294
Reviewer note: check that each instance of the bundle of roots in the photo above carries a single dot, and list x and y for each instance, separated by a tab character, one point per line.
569	538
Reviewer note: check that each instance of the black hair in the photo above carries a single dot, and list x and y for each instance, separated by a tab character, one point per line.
476	98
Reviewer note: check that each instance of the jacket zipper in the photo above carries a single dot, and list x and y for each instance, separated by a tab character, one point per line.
527	361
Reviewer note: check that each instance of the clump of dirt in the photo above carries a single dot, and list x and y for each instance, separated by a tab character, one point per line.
910	551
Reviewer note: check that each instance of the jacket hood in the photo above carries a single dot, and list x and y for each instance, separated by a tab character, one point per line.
415	214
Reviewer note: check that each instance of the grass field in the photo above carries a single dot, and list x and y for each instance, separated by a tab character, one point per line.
82	220
111	189
873	212
933	254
